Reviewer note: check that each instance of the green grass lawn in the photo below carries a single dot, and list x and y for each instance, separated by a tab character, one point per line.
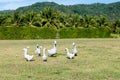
98	59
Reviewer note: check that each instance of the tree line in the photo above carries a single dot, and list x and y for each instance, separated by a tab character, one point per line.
57	20
110	10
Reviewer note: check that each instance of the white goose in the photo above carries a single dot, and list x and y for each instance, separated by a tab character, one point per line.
52	51
69	55
74	50
38	50
26	55
44	57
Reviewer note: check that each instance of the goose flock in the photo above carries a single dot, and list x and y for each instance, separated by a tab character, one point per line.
51	52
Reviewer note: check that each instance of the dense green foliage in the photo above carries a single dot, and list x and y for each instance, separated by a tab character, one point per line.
50	20
48	33
26	33
84	33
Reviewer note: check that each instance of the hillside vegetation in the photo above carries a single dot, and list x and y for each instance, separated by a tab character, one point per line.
98	20
109	10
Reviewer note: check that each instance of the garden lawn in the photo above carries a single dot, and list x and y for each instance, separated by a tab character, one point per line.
98	59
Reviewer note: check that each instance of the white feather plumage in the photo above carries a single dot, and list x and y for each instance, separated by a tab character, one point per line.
52	51
74	50
69	55
44	57
38	50
26	55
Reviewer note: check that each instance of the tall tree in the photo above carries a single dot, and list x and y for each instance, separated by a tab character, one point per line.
30	18
17	19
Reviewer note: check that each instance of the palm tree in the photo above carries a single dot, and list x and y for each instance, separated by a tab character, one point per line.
2	18
17	19
50	18
30	18
102	21
5	20
115	26
88	21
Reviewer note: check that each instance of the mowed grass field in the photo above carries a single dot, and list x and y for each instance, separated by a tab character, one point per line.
98	59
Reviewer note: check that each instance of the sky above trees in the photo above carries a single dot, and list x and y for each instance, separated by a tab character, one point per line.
14	4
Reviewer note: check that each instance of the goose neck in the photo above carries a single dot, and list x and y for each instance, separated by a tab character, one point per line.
67	50
44	51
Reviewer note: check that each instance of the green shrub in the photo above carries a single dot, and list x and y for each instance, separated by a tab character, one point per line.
49	33
26	33
104	32
84	33
68	33
38	33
